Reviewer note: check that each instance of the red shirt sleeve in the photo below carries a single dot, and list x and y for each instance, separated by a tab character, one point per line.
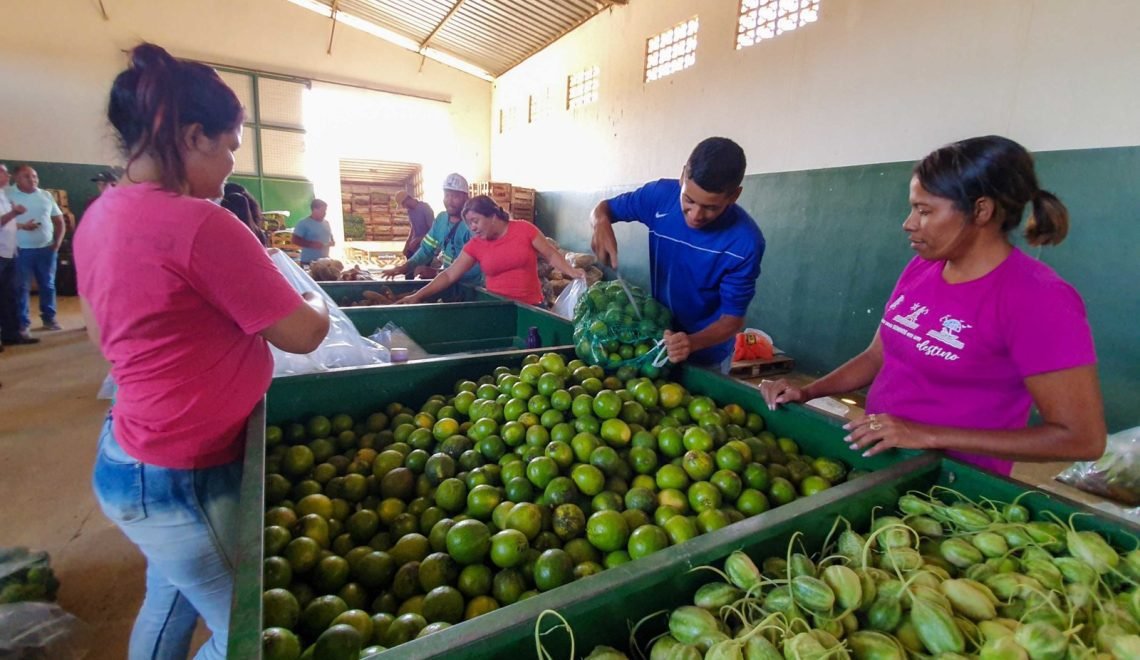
231	269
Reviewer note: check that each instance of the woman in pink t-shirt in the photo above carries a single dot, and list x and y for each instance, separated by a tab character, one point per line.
183	302
506	250
976	332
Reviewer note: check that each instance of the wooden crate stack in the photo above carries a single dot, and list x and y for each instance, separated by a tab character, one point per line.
60	197
516	200
384	219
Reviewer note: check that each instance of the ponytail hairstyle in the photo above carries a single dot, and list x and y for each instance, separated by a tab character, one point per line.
485	206
1001	169
158	96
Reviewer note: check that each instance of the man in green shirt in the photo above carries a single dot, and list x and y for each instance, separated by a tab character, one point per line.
448	234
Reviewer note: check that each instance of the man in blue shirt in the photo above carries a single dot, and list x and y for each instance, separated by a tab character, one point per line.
704	250
314	234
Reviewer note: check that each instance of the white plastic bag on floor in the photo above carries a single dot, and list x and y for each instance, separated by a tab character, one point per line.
342	347
32	630
568	299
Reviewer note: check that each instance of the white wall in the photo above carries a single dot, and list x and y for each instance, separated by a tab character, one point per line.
59	57
871	81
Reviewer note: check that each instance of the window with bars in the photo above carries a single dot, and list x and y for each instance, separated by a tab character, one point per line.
767	19
509	117
273	137
582	88
672	50
540	105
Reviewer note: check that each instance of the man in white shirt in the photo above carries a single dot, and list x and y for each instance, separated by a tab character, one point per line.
40	235
9	278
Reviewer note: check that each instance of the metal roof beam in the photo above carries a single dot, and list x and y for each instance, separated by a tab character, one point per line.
442	22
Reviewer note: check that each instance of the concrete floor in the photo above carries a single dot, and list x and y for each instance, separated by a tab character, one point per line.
49	425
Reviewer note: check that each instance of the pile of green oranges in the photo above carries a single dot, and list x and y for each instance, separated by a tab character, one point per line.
391	527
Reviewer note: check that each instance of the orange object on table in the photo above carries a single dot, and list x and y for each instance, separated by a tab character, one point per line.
753	346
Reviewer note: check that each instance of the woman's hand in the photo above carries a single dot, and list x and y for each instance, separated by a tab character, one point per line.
779	392
878	433
409	300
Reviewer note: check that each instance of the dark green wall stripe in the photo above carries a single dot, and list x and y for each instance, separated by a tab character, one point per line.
836	247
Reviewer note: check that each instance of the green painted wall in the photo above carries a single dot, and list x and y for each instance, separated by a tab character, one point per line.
280	195
836	247
273	194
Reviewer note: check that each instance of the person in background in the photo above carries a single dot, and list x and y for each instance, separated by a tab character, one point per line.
189	350
314	234
10	332
977	332
41	232
506	250
704	250
448	234
238	204
420	219
104	180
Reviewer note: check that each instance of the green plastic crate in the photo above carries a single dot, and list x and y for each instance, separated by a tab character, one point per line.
358	392
448	328
601	610
346	293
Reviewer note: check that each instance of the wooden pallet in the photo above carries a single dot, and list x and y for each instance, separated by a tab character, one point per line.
780	364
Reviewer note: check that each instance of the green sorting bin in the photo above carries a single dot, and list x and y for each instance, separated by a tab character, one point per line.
346	293
601	610
359	392
446	328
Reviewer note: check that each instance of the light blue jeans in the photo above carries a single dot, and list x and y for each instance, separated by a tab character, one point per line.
185	522
38	263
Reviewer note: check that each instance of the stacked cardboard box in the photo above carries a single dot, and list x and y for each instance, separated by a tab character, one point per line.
517	201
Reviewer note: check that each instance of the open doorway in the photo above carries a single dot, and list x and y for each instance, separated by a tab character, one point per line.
368	201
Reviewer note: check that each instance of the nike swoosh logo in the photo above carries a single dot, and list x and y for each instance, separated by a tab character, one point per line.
660	215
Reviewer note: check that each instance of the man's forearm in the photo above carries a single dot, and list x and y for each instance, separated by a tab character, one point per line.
306	243
717	332
57	225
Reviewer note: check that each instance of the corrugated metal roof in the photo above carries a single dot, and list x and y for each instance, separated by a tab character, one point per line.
378	171
493	35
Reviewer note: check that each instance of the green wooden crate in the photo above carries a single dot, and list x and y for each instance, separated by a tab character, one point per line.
602	609
347	293
359	392
463	327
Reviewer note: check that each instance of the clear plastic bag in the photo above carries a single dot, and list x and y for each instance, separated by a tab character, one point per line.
567	300
31	631
393	336
342	347
1116	475
26	575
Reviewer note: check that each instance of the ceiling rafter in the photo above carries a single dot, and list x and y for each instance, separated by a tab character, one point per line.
483	37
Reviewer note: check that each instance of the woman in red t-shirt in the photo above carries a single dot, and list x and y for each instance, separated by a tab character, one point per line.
507	251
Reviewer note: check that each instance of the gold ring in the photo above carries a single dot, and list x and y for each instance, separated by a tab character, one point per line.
875	426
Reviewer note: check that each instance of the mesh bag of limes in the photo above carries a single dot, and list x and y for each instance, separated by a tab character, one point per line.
619	328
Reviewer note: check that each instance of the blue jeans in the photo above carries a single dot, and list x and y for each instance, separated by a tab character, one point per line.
183	521
38	263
